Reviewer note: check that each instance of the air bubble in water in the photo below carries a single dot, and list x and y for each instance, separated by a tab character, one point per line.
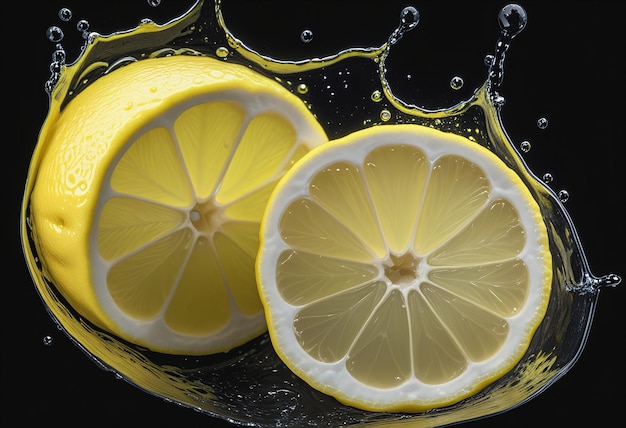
154	3
542	123
563	195
54	34
489	60
302	88
65	14
47	340
376	96
306	36
221	52
385	115
547	178
456	83
525	146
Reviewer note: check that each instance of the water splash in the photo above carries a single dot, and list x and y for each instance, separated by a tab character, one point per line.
320	82
476	118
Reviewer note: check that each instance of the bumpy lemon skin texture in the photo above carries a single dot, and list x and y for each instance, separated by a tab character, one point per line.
77	145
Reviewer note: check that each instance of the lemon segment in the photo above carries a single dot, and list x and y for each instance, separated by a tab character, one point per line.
402	268
147	197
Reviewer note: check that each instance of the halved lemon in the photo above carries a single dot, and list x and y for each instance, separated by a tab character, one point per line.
402	268
147	196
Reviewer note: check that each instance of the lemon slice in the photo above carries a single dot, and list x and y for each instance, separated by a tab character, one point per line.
148	194
402	268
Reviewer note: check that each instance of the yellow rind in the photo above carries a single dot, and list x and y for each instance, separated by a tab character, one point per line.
272	215
78	144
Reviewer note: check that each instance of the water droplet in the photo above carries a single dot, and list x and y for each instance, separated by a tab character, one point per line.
221	52
547	178
306	36
489	60
65	14
610	280
58	56
498	101
82	25
456	83
385	115
55	67
302	88
47	340
563	195
409	18
154	3
542	123
525	146
54	34
376	96
512	19
49	85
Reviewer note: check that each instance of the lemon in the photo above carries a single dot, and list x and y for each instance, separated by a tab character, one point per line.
147	196
402	268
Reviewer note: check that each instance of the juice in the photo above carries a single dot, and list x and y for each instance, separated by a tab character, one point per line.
361	85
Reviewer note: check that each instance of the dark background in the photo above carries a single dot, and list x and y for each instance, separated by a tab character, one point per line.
567	66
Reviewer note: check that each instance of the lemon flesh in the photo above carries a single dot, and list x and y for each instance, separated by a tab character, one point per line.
148	192
402	268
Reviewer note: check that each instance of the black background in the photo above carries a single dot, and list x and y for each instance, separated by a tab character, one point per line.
567	66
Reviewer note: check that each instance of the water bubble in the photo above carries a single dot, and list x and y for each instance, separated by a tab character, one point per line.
221	52
385	115
306	36
409	18
376	96
302	88
456	83
54	34
512	19
55	67
49	85
65	14
547	178
542	123
47	340
82	25
525	146
58	56
154	3
563	195
489	60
